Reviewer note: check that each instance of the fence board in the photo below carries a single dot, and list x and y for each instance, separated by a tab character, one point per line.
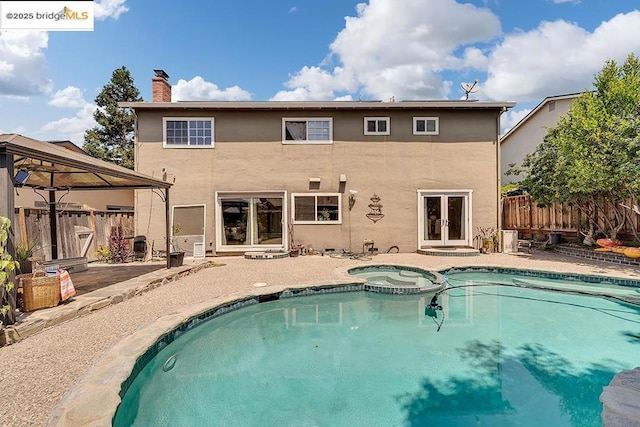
520	213
74	227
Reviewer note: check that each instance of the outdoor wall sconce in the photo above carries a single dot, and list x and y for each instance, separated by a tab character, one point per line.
352	198
343	178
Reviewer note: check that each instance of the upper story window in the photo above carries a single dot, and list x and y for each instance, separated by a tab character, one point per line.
181	132
316	208
376	125
426	126
307	131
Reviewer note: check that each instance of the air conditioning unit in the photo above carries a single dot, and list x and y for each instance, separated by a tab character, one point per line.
509	241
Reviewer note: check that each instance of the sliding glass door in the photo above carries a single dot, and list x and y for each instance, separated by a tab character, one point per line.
250	221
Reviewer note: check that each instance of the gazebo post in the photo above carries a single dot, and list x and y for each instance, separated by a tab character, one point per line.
167	230
53	224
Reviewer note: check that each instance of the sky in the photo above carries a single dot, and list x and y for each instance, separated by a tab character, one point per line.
519	51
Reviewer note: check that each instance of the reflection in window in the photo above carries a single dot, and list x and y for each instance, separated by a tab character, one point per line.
316	208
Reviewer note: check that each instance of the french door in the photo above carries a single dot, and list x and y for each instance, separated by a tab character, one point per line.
248	221
444	218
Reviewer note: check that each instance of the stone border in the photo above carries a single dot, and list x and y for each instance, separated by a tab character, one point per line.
610	257
621	399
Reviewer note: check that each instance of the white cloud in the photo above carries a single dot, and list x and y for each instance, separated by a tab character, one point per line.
398	49
72	128
293	9
316	84
23	66
558	57
566	1
69	97
104	9
512	118
18	129
198	89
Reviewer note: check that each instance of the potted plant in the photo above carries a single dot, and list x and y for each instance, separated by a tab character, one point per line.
176	256
24	256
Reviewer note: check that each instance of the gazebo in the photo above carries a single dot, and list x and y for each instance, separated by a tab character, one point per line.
47	167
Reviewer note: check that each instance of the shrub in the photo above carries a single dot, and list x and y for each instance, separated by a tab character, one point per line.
118	246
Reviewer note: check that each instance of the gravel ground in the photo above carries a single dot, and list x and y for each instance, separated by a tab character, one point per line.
38	371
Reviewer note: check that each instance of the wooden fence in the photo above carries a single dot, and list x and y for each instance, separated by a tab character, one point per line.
80	233
522	214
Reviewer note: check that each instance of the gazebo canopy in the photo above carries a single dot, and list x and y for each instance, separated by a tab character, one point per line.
52	167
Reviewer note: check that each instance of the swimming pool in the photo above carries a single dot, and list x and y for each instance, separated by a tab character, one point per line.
494	355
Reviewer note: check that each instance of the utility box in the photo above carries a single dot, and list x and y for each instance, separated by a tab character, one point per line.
509	241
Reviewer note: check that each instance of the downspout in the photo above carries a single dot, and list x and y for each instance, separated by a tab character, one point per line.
135	166
498	171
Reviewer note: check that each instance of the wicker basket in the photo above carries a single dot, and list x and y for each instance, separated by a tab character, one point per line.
39	291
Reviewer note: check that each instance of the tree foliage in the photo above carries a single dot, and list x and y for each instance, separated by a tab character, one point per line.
591	157
7	267
112	139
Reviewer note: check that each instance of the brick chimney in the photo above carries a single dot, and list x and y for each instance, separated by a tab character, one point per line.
160	87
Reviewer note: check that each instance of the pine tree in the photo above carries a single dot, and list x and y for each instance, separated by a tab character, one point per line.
112	139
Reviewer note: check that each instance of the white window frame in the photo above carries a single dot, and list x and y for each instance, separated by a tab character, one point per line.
426	132
165	144
307	119
316	220
377	119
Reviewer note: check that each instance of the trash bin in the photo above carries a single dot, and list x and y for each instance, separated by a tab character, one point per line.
176	259
554	238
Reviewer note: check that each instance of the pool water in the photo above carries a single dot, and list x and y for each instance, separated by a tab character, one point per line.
502	356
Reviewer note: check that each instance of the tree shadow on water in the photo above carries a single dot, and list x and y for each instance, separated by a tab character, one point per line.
464	400
632	337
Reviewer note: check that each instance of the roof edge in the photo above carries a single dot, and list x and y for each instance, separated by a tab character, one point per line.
318	105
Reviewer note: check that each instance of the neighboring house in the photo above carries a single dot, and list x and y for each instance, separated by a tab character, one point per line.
528	133
256	176
113	200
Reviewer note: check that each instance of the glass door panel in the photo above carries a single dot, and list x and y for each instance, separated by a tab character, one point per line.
433	219
268	229
456	224
235	221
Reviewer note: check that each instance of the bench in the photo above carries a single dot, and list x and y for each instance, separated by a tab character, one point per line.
72	265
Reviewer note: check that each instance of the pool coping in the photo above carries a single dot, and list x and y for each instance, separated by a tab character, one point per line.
95	397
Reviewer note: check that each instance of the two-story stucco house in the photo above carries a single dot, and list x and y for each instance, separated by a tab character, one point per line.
256	176
528	133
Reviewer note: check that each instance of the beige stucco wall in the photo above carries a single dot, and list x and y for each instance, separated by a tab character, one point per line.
463	156
529	135
97	200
